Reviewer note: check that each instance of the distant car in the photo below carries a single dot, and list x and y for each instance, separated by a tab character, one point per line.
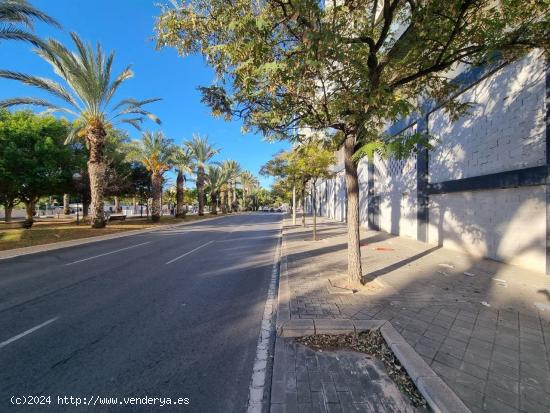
279	210
271	210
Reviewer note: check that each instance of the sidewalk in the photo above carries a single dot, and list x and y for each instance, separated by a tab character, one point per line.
494	355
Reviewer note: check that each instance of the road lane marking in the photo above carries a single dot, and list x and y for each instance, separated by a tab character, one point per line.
190	252
108	253
259	371
24	333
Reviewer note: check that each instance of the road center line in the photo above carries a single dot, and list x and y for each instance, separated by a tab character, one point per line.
190	252
108	253
24	333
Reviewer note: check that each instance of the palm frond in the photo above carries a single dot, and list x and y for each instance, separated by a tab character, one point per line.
135	122
201	150
42	83
13	33
126	74
20	11
134	102
7	103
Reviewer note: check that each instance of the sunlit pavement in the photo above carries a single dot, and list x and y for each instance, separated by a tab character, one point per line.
481	325
174	313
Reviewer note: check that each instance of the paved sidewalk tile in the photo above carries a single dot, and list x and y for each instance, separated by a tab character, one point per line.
479	324
331	381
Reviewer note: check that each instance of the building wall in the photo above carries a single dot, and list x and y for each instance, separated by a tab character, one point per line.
504	129
504	224
503	133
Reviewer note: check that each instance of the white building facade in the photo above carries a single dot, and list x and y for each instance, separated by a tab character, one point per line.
483	189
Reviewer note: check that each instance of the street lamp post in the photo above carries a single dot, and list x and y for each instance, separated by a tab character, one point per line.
77	178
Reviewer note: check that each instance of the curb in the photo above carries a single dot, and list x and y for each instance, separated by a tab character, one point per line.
17	252
439	396
283	296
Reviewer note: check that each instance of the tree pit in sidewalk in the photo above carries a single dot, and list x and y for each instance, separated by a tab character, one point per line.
372	343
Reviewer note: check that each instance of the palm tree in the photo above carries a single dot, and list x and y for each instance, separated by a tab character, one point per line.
201	152
233	171
183	164
17	13
217	178
88	93
156	153
248	182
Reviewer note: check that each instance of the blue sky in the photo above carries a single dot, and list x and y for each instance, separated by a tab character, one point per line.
126	26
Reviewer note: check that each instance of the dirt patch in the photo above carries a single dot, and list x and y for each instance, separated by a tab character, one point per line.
370	286
372	343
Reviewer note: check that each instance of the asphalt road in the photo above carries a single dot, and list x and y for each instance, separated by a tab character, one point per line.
174	313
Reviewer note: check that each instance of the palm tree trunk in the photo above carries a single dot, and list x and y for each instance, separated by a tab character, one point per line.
229	197
30	208
96	170
180	212
355	272
223	196
66	204
214	203
200	189
156	186
234	200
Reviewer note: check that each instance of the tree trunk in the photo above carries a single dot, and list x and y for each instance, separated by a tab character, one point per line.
314	205
180	212
200	189
95	136
294	205
234	205
85	208
213	203
156	186
117	205
66	210
30	208
303	206
7	213
355	272
223	196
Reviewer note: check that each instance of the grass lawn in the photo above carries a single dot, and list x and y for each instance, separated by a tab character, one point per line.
48	231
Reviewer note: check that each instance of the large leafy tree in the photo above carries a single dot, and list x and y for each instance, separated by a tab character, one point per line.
16	21
34	162
278	167
311	161
348	67
201	152
184	165
216	178
87	89
156	153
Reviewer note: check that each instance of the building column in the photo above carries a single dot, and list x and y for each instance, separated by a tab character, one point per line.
548	166
422	175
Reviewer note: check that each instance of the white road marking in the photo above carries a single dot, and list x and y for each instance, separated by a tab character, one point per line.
257	382
190	252
108	253
24	333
